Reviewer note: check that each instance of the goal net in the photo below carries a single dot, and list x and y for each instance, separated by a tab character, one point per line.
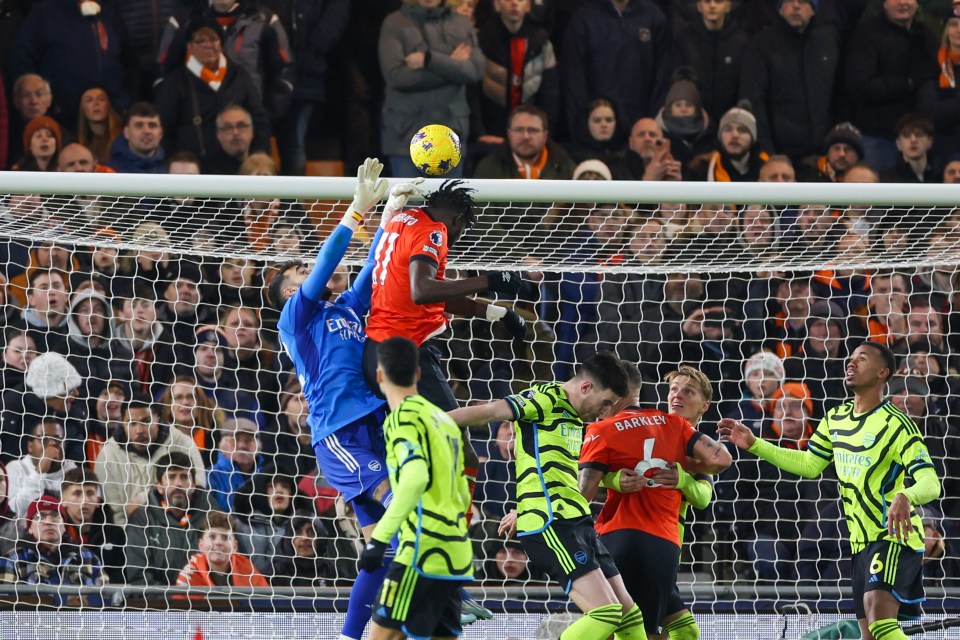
122	287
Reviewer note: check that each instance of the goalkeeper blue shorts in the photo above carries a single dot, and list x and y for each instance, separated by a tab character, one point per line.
353	460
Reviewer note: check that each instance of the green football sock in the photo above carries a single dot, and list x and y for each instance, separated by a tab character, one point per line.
683	628
631	625
887	629
596	624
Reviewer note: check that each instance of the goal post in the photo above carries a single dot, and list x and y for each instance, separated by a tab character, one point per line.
665	274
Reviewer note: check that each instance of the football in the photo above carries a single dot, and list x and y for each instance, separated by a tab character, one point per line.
435	149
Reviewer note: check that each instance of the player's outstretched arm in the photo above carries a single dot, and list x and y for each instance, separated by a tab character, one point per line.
425	288
481	414
370	189
802	463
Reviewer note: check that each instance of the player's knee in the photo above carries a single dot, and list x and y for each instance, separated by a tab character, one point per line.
382	493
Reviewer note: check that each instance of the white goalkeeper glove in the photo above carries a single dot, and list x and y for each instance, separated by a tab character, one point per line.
370	190
398	199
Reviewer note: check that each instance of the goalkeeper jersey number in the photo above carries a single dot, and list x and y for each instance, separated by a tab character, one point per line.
433	537
872	454
549	434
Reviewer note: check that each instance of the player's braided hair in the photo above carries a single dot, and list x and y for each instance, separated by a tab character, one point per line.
451	196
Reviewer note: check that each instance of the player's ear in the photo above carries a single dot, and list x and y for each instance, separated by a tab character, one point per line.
418	374
379	374
586	386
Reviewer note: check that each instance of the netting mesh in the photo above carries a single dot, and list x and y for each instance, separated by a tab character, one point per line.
120	286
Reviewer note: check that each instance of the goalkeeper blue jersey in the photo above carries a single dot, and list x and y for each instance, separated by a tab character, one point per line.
325	341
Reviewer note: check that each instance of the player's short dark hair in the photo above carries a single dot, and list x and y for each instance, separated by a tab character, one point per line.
607	370
634	379
453	197
400	360
140	400
174	460
140	110
278	282
889	360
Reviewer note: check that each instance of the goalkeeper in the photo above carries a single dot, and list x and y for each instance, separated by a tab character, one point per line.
873	446
420	596
325	341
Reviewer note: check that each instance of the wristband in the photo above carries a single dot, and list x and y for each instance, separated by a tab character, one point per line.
495	313
351	219
612	480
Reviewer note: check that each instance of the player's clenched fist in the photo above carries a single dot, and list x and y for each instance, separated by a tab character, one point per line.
515	325
507	282
371	558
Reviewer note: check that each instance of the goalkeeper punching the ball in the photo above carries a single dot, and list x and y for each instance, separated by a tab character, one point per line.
873	447
325	341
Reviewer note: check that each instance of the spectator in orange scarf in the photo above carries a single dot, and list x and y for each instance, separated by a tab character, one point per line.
218	563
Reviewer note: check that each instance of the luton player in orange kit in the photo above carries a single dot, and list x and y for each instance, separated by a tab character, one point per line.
411	298
641	528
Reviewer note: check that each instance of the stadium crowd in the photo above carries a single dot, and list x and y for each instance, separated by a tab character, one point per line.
145	390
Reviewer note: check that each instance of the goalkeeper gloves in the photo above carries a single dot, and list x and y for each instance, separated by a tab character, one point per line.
507	282
369	191
515	325
398	199
371	558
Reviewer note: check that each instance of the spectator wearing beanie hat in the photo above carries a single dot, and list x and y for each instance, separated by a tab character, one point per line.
51	389
41	144
763	373
684	120
46	556
592	170
738	158
843	147
789	73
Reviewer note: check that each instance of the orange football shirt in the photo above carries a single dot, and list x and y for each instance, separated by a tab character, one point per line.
411	235
645	440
